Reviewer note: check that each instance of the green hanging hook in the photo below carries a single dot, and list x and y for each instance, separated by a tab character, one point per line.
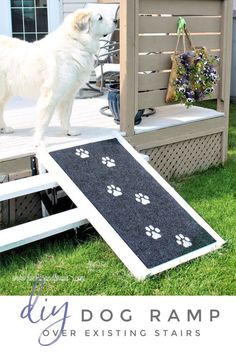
181	25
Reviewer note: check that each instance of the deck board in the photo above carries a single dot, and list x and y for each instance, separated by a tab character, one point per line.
20	114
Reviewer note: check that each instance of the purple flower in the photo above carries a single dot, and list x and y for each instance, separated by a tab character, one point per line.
190	54
183	80
184	57
190	94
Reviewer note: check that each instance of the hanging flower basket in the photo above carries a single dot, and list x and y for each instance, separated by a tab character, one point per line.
193	73
196	76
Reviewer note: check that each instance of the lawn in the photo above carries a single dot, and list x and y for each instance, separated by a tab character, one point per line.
83	264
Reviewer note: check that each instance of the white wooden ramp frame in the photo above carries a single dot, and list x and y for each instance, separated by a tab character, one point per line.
38	229
113	239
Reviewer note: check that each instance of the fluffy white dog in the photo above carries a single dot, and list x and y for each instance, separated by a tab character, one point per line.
52	69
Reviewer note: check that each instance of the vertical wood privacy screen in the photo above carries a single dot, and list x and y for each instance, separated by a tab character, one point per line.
148	37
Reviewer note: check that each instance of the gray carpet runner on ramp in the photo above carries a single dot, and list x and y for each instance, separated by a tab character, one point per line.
154	225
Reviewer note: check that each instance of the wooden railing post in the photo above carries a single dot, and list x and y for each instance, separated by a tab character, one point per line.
128	64
223	101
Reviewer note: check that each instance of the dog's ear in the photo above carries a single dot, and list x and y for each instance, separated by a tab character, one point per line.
82	22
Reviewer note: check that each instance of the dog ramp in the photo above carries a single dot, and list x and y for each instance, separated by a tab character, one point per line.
146	223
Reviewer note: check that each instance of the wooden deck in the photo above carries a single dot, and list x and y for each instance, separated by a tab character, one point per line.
20	114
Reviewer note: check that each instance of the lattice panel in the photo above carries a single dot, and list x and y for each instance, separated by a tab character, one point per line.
3	214
186	157
3	206
28	208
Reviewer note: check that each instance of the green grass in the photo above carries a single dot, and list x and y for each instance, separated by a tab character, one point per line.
84	265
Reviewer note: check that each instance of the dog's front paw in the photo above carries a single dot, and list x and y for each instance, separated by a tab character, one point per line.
39	141
40	145
6	130
73	132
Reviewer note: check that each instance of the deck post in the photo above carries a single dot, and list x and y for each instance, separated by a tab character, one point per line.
128	64
223	101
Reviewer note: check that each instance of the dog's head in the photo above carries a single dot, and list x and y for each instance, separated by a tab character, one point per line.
84	22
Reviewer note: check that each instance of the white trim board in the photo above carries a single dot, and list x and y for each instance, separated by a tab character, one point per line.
26	186
5	18
113	239
38	229
55	14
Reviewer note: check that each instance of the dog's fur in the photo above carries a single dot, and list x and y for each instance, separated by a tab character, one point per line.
52	69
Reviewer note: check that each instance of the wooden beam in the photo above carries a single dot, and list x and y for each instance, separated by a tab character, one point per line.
178	133
26	186
108	1
225	72
36	230
163	24
181	7
167	43
128	64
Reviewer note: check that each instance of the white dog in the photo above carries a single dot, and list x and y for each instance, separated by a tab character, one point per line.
52	69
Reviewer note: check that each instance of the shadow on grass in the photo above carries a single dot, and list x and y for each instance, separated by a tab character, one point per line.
65	242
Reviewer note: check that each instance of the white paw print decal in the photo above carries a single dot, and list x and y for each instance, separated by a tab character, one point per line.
108	162
84	154
153	232
183	241
115	191
144	199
